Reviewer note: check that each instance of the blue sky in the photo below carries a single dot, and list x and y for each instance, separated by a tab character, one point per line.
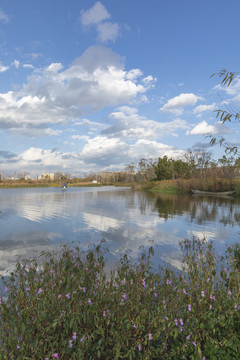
95	85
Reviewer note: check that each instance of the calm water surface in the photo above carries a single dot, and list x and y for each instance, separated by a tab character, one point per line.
40	219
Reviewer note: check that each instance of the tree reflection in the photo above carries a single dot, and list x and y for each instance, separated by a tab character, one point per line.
199	209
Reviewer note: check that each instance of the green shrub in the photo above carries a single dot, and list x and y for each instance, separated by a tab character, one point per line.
64	306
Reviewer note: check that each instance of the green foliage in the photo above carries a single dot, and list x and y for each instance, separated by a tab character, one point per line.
167	169
64	306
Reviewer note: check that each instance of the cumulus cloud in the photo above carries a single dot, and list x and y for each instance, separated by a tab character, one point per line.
37	160
3	68
53	96
129	124
232	89
96	16
148	149
54	67
203	128
107	31
178	103
203	108
104	151
28	66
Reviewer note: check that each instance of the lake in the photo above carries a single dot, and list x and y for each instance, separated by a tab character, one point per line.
32	220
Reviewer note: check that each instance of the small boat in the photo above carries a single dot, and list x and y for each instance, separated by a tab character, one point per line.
64	186
218	193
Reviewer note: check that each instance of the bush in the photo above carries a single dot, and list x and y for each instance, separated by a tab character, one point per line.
64	306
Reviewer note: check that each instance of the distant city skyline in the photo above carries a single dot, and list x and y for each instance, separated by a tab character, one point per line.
95	85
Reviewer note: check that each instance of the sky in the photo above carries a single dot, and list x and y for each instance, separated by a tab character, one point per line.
90	86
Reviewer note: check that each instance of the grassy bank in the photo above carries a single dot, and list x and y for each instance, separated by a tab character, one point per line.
179	186
15	185
64	306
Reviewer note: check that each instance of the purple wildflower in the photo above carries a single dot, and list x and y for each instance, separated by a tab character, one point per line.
189	308
68	295
194	343
229	292
188	337
56	356
139	348
181	321
89	301
70	344
40	290
74	337
202	293
150	336
168	282
166	318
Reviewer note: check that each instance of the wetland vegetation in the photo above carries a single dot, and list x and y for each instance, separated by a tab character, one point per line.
65	306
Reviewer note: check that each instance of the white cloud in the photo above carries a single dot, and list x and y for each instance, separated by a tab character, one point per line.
232	89
129	124
203	108
203	128
37	160
80	137
3	68
16	63
107	31
94	15
176	104
54	67
101	146
152	149
55	96
28	66
134	74
4	17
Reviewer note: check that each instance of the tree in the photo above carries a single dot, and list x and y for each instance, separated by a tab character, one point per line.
231	114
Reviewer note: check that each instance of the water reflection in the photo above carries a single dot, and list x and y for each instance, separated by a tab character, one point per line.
38	219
